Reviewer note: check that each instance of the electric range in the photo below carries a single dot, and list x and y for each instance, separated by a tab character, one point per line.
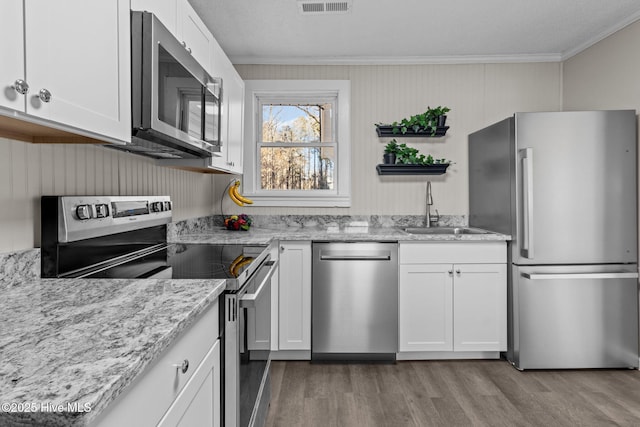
125	237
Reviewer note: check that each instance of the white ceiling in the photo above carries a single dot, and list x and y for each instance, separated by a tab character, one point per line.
413	31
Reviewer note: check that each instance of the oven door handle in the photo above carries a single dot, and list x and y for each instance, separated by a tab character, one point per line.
249	300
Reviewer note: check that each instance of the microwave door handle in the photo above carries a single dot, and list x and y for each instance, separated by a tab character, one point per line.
249	300
527	203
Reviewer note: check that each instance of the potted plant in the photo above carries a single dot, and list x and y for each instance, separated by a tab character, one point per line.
409	161
440	114
429	123
390	152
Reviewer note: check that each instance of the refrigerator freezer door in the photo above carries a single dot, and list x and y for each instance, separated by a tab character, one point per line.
575	188
568	317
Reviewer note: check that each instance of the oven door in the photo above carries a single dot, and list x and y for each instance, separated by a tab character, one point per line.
247	379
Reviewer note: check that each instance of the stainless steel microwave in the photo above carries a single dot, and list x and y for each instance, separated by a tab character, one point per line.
175	102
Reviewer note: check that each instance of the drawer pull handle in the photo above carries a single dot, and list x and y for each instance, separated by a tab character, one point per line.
184	366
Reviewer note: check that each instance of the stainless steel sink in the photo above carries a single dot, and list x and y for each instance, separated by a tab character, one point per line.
444	230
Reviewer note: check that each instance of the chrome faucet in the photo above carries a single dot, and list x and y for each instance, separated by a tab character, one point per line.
428	219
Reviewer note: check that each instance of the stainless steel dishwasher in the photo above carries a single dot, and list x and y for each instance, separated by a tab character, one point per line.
354	301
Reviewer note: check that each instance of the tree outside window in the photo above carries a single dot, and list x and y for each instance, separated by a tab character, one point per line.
297	148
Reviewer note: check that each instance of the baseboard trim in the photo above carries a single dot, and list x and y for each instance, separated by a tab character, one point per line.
445	355
291	355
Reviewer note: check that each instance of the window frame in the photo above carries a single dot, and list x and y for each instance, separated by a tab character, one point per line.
300	91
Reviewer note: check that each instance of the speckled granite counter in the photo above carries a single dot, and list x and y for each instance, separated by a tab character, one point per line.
81	341
264	235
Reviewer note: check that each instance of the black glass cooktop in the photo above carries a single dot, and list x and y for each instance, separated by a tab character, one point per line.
183	261
203	261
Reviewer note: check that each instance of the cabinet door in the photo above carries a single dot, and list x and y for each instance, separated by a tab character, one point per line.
232	113
295	296
199	402
12	54
83	63
194	35
234	91
425	307
480	307
165	10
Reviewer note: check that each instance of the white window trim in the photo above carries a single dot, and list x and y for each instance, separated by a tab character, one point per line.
341	196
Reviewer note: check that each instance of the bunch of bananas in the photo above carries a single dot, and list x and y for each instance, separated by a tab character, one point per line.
238	263
237	198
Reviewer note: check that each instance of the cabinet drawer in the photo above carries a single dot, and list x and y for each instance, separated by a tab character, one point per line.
152	393
452	252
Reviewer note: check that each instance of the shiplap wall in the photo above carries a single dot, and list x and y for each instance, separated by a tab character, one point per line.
478	94
28	171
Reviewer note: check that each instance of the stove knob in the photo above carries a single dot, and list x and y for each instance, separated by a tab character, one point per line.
156	207
102	211
83	212
167	206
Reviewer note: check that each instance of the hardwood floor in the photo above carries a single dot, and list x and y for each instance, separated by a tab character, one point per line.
450	393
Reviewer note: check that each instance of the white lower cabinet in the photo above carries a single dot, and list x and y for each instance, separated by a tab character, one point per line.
425	308
453	297
294	302
194	406
182	388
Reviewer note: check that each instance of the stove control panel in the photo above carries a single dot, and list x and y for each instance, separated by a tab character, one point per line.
120	209
81	217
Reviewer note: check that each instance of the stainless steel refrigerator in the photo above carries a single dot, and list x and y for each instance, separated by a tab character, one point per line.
564	186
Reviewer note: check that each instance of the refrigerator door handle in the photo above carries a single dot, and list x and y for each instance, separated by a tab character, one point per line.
527	201
621	275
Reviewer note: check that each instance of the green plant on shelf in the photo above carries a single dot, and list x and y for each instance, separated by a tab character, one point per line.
411	156
425	122
391	147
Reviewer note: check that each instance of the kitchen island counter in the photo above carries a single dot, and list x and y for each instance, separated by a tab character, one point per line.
70	346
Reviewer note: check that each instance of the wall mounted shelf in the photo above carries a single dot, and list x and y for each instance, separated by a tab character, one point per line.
401	169
387	130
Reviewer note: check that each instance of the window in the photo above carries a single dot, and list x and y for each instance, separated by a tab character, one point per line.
297	142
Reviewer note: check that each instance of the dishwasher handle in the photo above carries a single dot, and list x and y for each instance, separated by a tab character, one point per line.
355	256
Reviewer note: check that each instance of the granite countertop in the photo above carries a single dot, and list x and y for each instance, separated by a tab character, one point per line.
262	235
82	341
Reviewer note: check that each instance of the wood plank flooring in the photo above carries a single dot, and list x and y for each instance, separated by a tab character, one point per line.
450	393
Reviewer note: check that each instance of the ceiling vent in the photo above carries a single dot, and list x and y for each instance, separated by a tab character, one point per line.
311	7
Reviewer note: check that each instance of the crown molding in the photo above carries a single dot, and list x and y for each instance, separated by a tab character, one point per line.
396	60
603	35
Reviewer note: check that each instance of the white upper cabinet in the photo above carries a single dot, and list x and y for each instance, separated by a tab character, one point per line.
12	73
232	113
194	35
184	23
77	70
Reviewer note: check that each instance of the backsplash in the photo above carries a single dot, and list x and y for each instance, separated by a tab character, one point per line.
211	223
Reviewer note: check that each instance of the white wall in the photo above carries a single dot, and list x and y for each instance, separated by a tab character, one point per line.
605	76
478	94
28	171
